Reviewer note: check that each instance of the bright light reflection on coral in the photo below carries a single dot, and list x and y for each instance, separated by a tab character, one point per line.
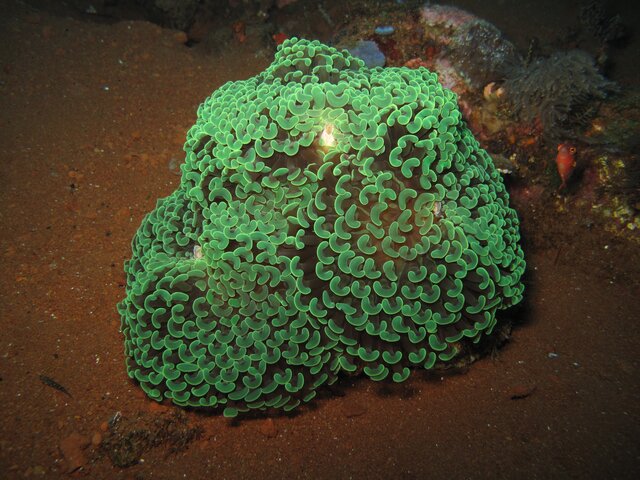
326	137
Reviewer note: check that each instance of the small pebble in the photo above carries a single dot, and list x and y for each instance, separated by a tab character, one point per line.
521	391
139	394
155	407
552	355
174	166
354	409
180	37
74	175
96	439
72	449
384	30
268	428
39	470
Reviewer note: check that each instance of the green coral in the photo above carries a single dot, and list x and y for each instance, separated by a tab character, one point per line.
330	218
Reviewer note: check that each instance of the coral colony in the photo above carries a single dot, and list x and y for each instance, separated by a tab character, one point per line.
330	218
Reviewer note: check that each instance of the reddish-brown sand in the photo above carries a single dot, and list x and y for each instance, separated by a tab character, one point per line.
92	121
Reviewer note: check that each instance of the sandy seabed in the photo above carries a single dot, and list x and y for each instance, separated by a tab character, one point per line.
92	122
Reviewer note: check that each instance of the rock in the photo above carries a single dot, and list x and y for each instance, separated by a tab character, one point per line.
284	3
239	31
354	409
174	166
384	30
177	14
268	428
139	394
520	391
39	470
156	407
72	449
47	32
96	439
180	37
416	63
75	176
199	29
369	52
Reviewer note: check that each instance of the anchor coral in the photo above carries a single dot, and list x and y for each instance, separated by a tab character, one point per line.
329	218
